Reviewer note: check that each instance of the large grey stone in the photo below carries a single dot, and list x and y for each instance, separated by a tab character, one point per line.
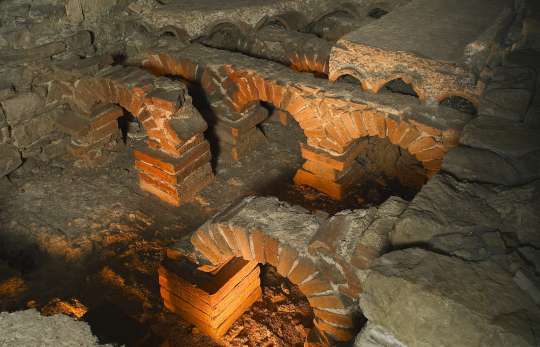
506	138
30	132
478	165
427	299
509	93
21	107
518	209
29	328
10	159
447	206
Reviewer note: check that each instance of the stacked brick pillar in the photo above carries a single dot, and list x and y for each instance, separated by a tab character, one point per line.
174	164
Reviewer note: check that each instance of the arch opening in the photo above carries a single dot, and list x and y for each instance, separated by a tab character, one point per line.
377	13
350	79
399	86
459	103
334	25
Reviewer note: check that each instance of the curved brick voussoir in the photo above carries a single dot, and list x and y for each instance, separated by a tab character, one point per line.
275	233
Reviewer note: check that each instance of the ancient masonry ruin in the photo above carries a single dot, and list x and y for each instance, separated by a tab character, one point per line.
437	78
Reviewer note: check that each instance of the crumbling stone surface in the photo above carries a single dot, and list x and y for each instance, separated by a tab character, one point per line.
29	328
10	159
198	18
509	93
481	209
375	336
393	47
407	291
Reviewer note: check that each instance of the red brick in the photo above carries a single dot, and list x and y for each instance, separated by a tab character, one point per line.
204	243
339	334
242	241
287	257
336	319
271	251
257	242
421	144
303	270
317	285
433	153
326	302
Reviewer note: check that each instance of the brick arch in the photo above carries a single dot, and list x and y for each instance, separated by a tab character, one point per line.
219	25
152	100
332	124
291	20
175	163
472	98
351	71
219	240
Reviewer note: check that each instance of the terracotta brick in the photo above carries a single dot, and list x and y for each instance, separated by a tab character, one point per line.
339	334
167	197
336	190
421	144
433	153
271	251
303	270
369	120
257	242
242	241
363	256
170	165
329	235
325	172
103	114
330	188
229	236
337	163
358	117
326	302
295	104
220	241
408	136
170	189
317	285
287	257
341	320
426	128
391	128
204	243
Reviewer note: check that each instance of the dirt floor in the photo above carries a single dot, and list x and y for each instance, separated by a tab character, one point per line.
87	242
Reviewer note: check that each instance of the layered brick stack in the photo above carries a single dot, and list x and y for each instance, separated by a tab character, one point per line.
214	300
175	162
333	117
90	131
324	257
238	137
